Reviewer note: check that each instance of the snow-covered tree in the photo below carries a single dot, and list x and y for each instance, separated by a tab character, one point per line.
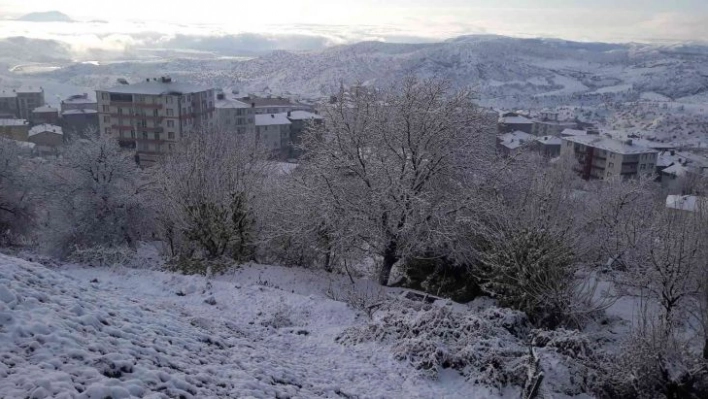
16	206
205	193
94	195
393	165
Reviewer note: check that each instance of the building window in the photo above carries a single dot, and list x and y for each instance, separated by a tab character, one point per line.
157	136
170	112
104	96
168	100
642	166
171	146
611	165
650	166
145	135
106	108
108	130
120	111
170	123
106	119
609	174
612	155
171	135
132	133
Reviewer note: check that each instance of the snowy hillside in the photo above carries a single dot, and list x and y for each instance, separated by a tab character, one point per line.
264	332
503	70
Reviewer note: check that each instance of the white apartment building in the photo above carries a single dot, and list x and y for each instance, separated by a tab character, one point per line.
603	158
234	116
152	116
273	133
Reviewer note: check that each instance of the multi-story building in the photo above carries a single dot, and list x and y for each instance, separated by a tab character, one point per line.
152	116
45	114
79	116
273	133
272	105
78	101
603	158
14	129
513	122
8	104
234	116
28	99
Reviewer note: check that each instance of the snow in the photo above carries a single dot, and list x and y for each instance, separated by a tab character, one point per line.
573	132
13	122
303	115
263	332
549	140
45	108
45	128
79	111
609	144
690	203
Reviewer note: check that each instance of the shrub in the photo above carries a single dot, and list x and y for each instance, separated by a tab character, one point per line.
441	277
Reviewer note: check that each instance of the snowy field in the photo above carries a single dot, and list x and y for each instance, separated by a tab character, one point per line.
261	332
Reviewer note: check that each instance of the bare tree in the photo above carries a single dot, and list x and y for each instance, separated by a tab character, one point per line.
392	165
16	200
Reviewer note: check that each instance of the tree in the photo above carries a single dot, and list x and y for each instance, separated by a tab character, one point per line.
16	199
94	196
205	193
392	164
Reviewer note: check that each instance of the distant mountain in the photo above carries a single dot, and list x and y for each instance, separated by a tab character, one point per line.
21	49
46	16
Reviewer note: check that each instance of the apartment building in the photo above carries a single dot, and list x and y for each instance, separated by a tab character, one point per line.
234	116
45	114
20	103
273	105
153	115
14	129
602	157
8	104
273	133
79	115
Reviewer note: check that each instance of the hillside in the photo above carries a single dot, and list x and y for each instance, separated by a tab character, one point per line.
45	16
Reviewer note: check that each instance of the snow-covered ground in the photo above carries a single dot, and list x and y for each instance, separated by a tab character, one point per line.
260	332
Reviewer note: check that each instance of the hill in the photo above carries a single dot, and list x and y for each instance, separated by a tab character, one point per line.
45	16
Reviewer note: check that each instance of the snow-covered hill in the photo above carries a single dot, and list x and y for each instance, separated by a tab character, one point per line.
503	70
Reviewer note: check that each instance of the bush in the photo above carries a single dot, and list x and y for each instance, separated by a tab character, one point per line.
441	277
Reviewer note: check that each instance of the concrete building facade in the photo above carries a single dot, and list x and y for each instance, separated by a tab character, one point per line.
14	129
604	158
151	117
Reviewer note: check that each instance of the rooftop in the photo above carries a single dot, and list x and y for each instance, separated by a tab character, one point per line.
265	101
45	128
79	111
549	140
21	144
158	87
690	203
45	108
574	132
515	120
79	99
516	139
230	103
302	115
12	122
608	144
272	119
30	89
8	93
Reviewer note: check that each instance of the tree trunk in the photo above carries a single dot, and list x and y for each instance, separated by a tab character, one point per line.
389	259
705	349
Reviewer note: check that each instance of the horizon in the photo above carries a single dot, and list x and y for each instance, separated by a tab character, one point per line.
307	25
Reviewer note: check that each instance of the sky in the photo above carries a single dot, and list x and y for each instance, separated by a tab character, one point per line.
346	21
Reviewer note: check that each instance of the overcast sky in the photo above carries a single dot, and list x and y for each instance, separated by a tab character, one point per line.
392	20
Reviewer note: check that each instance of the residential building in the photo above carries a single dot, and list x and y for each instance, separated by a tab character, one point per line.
273	105
234	116
551	127
14	129
300	121
79	115
273	133
688	203
28	99
512	122
602	157
78	101
45	115
47	139
512	143
548	146
8	104
153	116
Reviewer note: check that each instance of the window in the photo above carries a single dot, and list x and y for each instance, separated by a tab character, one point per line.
105	96
132	133
568	143
169	100
642	166
611	165
154	112
170	123
145	135
143	123
609	174
108	130
157	136
171	135
120	111
106	119
612	155
650	166
171	146
170	112
106	108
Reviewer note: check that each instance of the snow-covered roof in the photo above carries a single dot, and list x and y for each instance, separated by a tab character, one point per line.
79	99
516	120
676	169
45	128
272	119
549	140
608	144
45	109
21	144
302	115
30	89
230	103
574	132
158	87
515	139
12	122
8	94
690	203
79	111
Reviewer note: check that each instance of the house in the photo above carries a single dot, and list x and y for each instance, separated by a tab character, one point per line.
601	157
28	99
512	122
80	122
299	122
548	146
45	115
14	129
47	139
512	143
152	116
273	133
688	203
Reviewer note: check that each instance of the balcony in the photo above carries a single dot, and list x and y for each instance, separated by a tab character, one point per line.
123	127
148	105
